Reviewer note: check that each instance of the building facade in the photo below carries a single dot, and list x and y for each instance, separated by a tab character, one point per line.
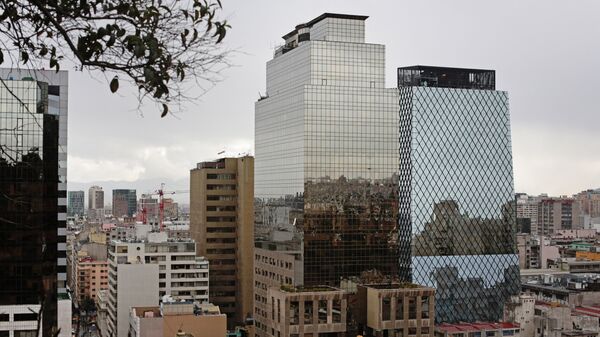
327	150
124	203
91	276
76	206
457	209
395	309
95	204
222	223
33	196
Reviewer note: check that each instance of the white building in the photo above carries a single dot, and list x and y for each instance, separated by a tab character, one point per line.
180	273
130	284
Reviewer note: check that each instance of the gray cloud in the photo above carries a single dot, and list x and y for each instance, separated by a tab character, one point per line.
545	54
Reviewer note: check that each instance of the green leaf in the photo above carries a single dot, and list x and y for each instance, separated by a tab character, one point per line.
114	84
165	110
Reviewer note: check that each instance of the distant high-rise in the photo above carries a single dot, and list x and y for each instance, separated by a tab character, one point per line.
33	199
326	139
95	204
124	203
457	203
222	224
76	202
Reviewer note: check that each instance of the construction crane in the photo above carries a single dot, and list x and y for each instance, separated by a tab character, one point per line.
161	204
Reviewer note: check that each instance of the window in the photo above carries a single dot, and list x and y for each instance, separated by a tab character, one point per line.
26	317
386	309
4	317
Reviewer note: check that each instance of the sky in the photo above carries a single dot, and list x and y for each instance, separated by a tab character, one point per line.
546	55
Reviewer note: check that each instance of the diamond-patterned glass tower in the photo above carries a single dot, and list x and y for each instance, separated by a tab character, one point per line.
457	211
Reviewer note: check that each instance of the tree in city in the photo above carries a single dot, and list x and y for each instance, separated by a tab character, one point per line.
158	45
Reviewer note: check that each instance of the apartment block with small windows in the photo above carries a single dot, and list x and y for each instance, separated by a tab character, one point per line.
91	276
182	274
222	223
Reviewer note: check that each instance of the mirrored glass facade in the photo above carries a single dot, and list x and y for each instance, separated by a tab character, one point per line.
33	196
457	209
327	151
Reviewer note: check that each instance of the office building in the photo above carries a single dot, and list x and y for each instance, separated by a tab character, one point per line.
124	203
33	197
326	142
222	223
457	209
95	204
327	150
166	320
76	203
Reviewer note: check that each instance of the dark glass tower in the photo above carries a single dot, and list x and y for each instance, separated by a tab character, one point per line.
124	202
457	209
30	201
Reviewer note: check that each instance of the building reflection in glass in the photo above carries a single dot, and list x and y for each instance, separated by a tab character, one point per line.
457	210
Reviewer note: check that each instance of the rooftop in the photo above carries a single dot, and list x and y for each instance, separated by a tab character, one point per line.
311	289
405	285
447	77
322	17
478	326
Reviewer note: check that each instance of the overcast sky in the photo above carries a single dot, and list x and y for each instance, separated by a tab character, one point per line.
546	55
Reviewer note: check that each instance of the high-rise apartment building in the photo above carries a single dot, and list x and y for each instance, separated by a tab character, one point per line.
222	224
180	274
76	203
457	208
326	142
33	198
124	203
558	213
527	208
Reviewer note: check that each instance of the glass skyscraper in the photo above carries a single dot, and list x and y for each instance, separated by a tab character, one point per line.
76	204
33	198
457	208
124	202
327	151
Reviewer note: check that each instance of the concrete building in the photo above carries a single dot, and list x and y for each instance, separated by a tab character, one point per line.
275	264
33	183
590	202
91	276
311	311
95	204
222	223
521	310
395	309
124	203
183	275
527	208
171	208
477	329
558	214
198	320
76	203
529	251
131	284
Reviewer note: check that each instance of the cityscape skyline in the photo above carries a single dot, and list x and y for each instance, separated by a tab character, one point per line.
547	140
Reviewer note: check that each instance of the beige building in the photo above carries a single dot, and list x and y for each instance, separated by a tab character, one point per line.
307	312
395	310
222	223
91	277
204	320
275	264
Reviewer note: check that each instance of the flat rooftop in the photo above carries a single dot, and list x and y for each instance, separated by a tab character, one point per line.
447	77
472	327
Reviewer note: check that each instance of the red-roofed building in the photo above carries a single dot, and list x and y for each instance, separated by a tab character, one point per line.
478	329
